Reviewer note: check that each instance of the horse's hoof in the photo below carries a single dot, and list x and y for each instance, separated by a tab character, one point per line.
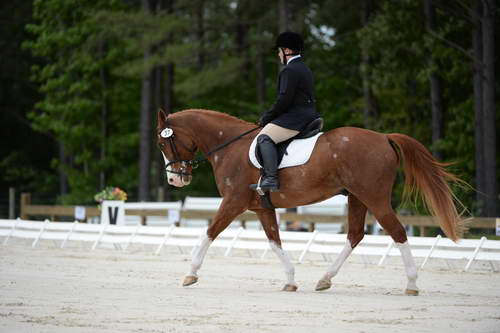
323	285
411	292
189	280
289	287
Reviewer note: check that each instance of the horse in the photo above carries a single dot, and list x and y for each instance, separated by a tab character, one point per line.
362	162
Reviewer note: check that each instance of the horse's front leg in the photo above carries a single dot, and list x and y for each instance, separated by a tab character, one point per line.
225	215
268	219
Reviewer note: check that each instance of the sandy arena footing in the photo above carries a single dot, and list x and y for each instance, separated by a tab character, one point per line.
77	290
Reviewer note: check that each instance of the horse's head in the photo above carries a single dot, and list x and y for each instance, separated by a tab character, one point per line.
178	149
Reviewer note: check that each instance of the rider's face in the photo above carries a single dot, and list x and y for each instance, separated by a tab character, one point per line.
280	54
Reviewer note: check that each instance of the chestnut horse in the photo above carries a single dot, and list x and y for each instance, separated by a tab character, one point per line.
360	161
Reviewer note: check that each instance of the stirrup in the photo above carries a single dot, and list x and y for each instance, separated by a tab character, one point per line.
256	187
264	196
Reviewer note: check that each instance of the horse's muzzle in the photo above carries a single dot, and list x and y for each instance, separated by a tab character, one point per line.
179	181
186	180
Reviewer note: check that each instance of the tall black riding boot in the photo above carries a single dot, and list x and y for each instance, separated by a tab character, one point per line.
269	154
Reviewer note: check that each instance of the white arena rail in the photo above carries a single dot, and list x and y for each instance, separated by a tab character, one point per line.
298	244
59	231
334	206
152	220
199	204
212	204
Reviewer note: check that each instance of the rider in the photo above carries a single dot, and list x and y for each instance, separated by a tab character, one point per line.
293	110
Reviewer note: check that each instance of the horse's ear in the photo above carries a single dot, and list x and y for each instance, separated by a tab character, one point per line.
162	118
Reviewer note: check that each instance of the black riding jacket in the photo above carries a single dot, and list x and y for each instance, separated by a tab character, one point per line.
295	106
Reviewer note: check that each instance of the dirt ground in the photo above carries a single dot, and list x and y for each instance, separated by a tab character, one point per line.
77	290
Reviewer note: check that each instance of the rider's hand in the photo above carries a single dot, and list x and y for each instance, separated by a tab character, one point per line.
263	121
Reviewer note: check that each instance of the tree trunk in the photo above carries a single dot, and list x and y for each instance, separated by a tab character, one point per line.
414	114
370	105
477	46
284	26
168	104
200	32
241	42
158	74
283	15
145	125
435	84
489	121
63	178
283	21
169	70
158	99
104	117
261	76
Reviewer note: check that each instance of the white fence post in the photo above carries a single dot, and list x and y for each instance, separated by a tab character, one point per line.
308	245
233	241
165	238
389	248
475	253
104	227
42	229
131	238
438	237
69	234
11	231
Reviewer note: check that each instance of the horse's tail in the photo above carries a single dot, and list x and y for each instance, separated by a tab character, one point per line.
427	177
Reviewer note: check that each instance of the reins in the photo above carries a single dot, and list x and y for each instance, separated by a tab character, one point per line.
194	163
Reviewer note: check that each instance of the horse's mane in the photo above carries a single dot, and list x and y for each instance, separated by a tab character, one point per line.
211	113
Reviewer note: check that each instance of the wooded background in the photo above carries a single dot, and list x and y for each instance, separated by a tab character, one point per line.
82	80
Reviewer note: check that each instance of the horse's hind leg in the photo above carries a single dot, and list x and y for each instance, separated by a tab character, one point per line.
356	219
268	219
387	218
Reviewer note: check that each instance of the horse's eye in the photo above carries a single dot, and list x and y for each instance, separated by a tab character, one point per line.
161	144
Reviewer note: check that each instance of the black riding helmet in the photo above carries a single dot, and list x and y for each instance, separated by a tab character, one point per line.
290	40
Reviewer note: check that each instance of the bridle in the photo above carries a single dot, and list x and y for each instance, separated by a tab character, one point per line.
194	162
184	163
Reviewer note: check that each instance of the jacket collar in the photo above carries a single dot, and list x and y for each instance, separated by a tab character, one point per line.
298	56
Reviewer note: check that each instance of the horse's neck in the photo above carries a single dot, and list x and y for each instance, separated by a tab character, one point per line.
212	130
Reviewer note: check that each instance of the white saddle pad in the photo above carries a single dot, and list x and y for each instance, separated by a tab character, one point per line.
299	152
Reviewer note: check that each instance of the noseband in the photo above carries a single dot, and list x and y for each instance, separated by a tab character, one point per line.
194	162
184	163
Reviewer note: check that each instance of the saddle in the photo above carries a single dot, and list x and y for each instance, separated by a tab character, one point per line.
312	129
